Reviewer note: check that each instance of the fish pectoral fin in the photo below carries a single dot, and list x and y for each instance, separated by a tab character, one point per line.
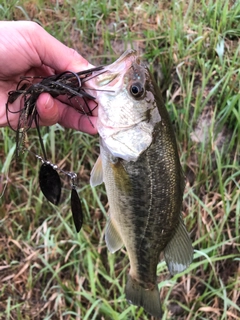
96	177
112	237
149	299
179	251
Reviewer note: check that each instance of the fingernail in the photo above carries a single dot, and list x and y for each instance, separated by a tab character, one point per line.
49	103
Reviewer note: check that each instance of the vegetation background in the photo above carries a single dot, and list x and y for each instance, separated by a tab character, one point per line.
47	270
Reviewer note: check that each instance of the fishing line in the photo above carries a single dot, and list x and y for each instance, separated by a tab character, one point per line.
67	83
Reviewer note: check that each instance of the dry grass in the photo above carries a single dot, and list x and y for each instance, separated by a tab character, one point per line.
49	272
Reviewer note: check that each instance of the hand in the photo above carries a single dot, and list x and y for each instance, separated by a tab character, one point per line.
27	49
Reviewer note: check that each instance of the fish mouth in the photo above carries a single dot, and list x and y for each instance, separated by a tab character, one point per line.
126	59
111	74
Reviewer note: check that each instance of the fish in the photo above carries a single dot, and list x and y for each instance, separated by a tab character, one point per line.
140	167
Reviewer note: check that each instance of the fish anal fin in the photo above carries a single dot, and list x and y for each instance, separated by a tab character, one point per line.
149	299
96	177
179	251
112	237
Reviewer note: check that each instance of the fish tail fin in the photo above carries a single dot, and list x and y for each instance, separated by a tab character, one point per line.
149	299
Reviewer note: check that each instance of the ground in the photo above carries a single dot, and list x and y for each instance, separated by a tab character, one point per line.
47	271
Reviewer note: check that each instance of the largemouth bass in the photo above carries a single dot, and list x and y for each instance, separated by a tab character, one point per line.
140	167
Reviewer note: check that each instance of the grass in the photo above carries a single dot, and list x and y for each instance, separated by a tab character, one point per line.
47	271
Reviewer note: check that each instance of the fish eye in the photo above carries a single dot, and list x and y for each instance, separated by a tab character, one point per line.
137	90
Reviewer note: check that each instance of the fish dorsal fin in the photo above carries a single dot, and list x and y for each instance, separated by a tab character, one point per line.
179	251
97	173
112	237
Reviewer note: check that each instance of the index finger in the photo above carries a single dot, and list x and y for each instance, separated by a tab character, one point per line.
55	54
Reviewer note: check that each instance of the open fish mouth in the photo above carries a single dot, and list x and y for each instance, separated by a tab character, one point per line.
123	63
111	75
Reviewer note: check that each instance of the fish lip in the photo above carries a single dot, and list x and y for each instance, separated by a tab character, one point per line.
128	57
114	71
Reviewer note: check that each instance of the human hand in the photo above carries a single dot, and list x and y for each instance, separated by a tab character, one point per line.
26	49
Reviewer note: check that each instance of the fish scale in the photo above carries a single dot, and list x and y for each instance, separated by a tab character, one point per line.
144	179
156	211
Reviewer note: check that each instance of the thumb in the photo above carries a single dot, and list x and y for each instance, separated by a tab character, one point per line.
47	110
